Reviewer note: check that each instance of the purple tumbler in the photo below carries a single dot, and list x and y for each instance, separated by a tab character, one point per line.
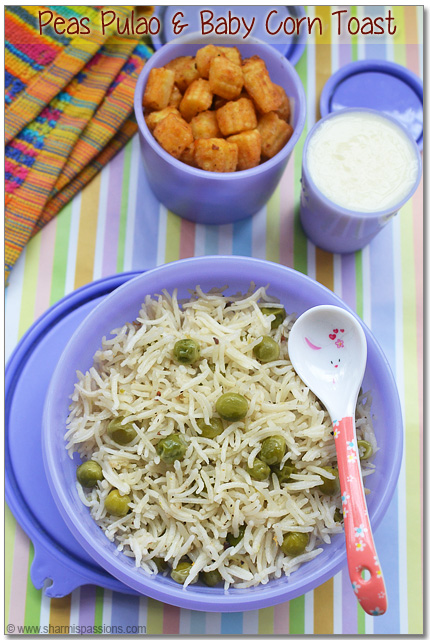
205	196
333	227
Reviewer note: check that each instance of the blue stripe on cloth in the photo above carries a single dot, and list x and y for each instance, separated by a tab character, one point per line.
211	239
242	238
145	223
22	56
125	612
232	623
383	327
198	622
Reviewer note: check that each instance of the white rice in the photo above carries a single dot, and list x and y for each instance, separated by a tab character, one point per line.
187	509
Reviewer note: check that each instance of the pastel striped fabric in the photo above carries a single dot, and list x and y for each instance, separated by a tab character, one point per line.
68	99
115	224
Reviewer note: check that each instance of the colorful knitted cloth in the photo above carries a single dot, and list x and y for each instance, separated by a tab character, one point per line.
69	110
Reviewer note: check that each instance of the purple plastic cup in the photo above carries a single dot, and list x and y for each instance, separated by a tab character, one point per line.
298	293
205	196
333	227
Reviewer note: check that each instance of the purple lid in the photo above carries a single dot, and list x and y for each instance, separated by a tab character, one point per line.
291	46
58	556
381	85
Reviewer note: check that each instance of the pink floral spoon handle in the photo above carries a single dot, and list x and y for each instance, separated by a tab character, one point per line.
360	548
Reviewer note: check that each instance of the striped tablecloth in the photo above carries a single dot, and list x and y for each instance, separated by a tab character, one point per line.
115	224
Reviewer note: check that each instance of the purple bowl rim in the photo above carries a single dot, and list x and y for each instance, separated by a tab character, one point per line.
213	175
350	213
359	66
246	599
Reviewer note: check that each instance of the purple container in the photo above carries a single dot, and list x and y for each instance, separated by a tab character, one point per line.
333	227
298	293
204	196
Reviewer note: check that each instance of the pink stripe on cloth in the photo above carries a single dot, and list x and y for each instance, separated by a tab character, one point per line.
286	225
187	239
19	577
46	262
171	619
281	618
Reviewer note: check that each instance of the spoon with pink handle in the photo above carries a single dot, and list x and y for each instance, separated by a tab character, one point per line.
328	350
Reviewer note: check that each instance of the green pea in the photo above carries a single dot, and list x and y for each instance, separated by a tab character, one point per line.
267	350
161	564
186	351
171	448
330	486
180	574
273	450
279	313
211	578
365	449
294	543
338	516
283	474
89	473
116	504
121	433
211	430
259	471
232	406
234	540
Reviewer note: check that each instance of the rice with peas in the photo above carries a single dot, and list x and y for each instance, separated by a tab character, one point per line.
187	509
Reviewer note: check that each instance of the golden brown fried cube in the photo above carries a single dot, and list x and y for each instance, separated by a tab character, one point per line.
216	154
274	132
204	58
158	89
153	118
284	110
259	85
205	55
173	134
185	69
188	156
236	116
225	78
249	146
205	125
198	97
175	97
232	53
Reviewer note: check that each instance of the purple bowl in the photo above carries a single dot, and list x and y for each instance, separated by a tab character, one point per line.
298	293
204	196
333	227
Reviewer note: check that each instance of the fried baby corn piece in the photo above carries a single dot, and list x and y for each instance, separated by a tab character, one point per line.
284	111
185	70
205	55
198	97
173	134
153	118
225	78
237	116
175	97
187	155
249	146
216	154
205	125
274	132
158	89
259	85
233	54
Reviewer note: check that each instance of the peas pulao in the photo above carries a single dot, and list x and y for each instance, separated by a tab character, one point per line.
203	454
